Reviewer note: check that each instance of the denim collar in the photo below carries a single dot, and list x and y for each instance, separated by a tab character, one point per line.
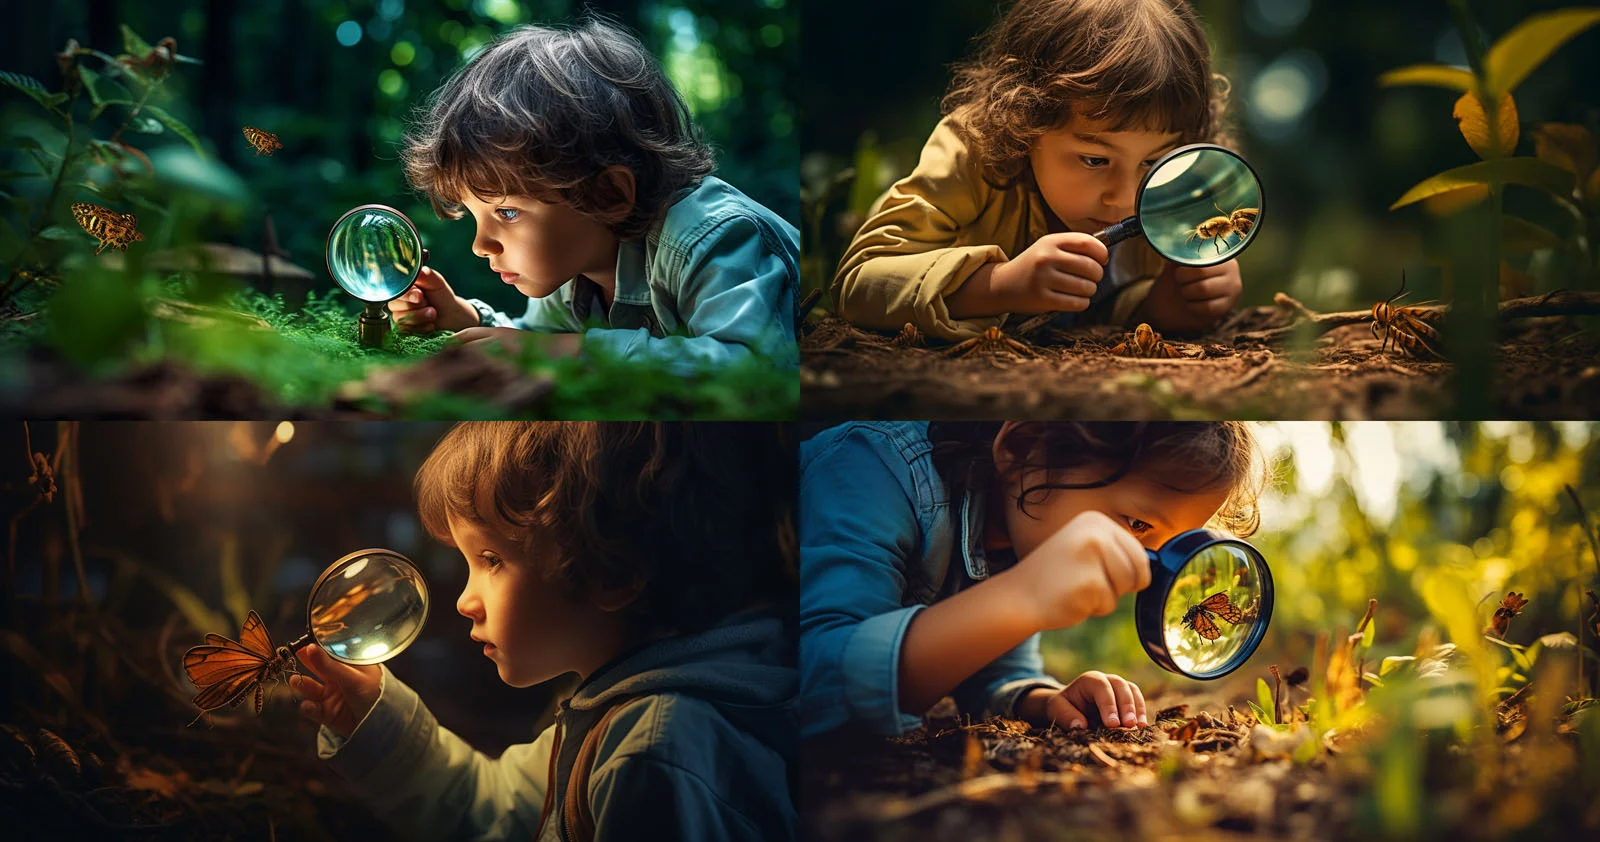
972	520
633	285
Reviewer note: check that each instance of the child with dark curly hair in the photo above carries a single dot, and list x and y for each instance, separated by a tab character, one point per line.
1047	132
933	555
656	561
593	196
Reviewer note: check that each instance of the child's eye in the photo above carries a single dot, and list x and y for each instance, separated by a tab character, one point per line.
1137	526
490	560
1094	162
501	212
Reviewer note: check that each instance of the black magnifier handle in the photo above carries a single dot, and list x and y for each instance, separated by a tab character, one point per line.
1127	229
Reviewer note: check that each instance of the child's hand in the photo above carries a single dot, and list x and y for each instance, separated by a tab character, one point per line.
431	305
1059	272
345	695
1082	570
1188	299
551	345
1094	698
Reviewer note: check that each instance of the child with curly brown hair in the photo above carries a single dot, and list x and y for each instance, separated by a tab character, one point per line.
656	561
593	196
932	555
1047	132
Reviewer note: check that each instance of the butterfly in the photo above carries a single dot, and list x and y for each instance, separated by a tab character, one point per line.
263	141
118	230
1202	617
226	671
1509	607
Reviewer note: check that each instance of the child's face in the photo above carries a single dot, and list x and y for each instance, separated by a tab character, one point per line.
1152	512
538	246
1089	176
533	630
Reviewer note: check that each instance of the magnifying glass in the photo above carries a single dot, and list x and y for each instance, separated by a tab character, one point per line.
1208	604
1200	205
375	253
366	608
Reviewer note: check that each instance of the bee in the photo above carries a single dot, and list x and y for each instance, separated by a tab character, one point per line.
909	337
118	230
263	141
1219	228
1144	342
993	341
1404	325
1202	617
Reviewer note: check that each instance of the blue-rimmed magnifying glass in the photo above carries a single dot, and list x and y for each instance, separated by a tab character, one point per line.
366	608
1199	205
1208	604
375	253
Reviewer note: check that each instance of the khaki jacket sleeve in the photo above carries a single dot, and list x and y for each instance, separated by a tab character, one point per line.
906	257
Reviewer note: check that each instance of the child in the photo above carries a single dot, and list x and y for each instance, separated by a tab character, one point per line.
650	560
1047	133
931	556
592	196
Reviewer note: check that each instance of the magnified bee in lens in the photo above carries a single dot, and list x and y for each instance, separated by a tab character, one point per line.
263	141
1219	228
1202	618
1404	326
118	230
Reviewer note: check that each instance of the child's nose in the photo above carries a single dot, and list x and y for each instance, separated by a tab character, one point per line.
485	246
467	605
1123	197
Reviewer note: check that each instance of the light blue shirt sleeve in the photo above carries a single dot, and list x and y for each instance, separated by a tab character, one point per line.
735	297
995	689
857	528
550	314
428	783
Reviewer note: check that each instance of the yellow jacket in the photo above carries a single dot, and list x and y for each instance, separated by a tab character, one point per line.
937	226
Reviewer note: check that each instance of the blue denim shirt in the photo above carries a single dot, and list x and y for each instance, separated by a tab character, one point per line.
880	539
712	283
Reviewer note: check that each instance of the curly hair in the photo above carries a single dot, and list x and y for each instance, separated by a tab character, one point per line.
542	112
1138	64
701	515
1185	456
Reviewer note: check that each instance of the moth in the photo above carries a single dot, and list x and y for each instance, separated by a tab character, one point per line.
118	230
1509	607
226	670
1203	617
263	141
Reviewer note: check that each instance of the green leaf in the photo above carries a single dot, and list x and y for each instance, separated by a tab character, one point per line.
177	127
233	592
16	175
145	124
1526	46
132	44
1437	75
95	112
1264	694
179	169
91	83
193	608
1520	235
30	86
1260	712
1524	170
58	232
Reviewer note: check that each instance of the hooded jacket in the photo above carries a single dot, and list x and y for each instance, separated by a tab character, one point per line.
702	747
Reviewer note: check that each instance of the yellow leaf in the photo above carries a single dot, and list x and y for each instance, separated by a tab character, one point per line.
1438	75
1525	47
1473	118
1527	171
1568	146
1456	200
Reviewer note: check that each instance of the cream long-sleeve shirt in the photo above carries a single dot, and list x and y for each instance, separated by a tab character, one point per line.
938	226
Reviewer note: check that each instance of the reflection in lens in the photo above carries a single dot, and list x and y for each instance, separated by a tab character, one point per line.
370	616
1201	207
374	253
1212	609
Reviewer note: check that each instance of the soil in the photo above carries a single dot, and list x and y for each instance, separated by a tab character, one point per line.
1279	361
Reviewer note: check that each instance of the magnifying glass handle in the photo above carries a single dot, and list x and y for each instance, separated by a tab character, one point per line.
300	642
1127	229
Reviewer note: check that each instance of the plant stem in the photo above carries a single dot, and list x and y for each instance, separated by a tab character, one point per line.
7	291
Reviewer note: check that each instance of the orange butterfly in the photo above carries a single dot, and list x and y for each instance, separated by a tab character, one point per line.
263	141
226	671
1202	617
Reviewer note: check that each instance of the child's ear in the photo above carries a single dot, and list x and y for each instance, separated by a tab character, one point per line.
1004	462
616	599
614	194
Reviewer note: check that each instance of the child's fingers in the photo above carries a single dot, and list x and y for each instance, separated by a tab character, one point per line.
428	279
416	318
307	688
1127	711
1097	685
1064	713
312	711
1138	703
329	671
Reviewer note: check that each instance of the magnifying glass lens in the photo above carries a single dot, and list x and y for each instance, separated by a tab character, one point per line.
1202	206
368	608
1212	609
374	253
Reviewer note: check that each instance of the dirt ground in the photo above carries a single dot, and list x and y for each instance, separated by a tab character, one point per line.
1202	771
1281	361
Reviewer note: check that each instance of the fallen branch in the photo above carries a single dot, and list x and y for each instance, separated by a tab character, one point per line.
1561	302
